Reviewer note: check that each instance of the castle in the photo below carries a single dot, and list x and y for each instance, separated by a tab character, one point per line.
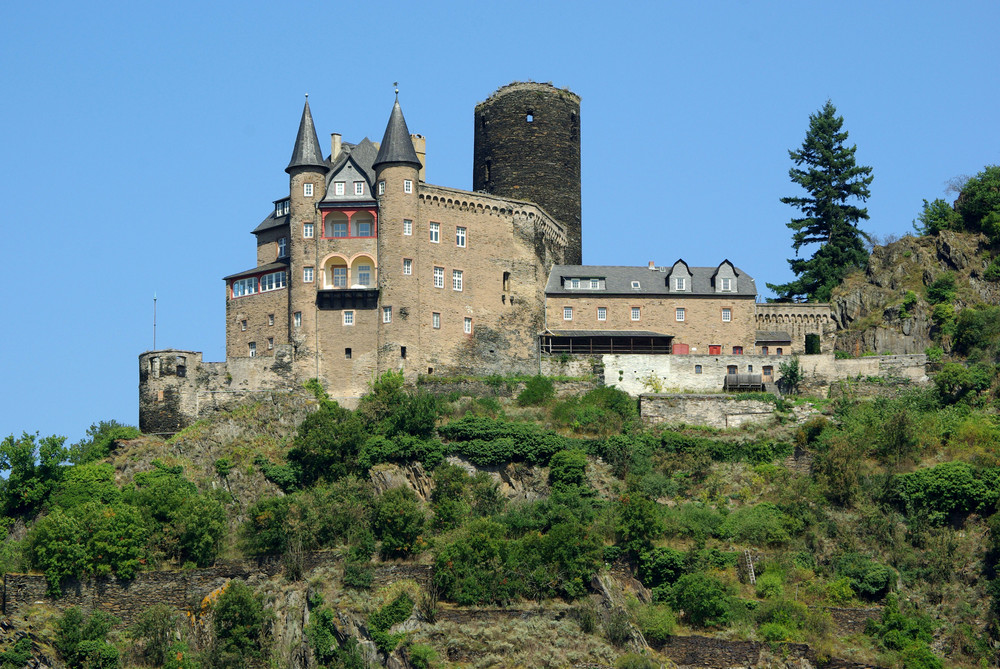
364	267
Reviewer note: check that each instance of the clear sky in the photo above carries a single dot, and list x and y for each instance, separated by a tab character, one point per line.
143	141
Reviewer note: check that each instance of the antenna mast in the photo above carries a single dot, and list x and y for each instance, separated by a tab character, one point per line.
154	320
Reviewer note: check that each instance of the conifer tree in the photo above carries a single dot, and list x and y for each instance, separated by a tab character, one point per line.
825	168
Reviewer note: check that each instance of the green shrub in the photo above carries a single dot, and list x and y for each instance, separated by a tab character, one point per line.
694	520
265	532
538	390
909	302
661	566
34	469
868	579
760	525
656	622
977	333
327	444
421	656
568	469
154	628
398	521
603	410
488	442
775	632
635	661
937	216
945	489
617	627
770	586
638	521
82	640
242	627
942	289
703	599
992	271
934	353
100	439
379	622
449	502
839	591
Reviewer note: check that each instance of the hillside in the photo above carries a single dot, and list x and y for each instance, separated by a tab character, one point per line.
507	531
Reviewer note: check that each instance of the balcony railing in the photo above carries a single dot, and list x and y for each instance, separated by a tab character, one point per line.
336	299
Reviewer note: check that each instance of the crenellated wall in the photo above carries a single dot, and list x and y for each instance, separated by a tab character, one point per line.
798	320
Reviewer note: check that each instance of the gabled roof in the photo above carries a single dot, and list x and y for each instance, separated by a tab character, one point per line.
618	281
360	156
772	336
396	146
306	152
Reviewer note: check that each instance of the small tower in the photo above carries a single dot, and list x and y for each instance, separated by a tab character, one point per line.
527	146
307	168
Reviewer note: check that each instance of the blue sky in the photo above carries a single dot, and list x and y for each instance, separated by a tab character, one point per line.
143	141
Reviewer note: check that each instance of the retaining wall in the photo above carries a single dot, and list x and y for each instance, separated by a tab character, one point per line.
719	411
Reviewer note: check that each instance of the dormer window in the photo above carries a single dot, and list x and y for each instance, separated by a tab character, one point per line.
338	188
635	285
574	283
595	284
359	187
727	284
680	283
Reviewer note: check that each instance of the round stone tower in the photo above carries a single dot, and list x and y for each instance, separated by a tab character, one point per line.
527	146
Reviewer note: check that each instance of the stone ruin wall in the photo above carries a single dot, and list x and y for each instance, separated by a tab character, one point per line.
798	320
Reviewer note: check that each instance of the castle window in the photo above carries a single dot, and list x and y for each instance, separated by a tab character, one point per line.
348	318
338	187
386	314
407	186
635	313
763	350
252	349
749	368
307	230
435	232
595	284
732	369
243	287
381	188
737	350
363	229
347	353
282	247
339	229
407	266
359	187
727	315
297	319
365	275
567	313
506	281
181	366
439	277
402	352
727	284
407	227
272	281
529	117
468	325
307	274
436	320
680	283
270	319
697	369
456	279
307	190
602	313
635	285
778	351
285	207
679	314
574	283
460	237
270	343
243	325
340	277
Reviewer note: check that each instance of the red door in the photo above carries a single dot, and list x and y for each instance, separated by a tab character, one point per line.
714	349
680	349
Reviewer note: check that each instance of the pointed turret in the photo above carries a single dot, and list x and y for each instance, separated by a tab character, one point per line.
306	152
396	147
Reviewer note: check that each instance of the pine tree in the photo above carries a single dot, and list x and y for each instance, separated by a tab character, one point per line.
826	169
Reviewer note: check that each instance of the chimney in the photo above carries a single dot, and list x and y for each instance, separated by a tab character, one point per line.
420	146
652	265
334	146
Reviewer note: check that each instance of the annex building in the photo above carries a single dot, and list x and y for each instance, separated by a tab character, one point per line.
362	266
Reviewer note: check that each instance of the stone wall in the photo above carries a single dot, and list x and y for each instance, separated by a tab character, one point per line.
700	651
638	374
719	411
179	589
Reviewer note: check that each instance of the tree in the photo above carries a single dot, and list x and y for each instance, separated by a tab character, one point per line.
826	169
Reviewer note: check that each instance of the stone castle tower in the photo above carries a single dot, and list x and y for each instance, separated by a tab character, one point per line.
527	146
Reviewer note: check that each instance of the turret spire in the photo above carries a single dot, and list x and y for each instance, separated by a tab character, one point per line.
396	146
306	152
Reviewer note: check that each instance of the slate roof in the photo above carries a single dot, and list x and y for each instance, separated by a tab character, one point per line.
262	269
605	333
618	281
306	152
396	146
773	336
271	221
361	156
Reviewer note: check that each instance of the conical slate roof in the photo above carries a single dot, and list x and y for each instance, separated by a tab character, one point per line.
306	152
396	147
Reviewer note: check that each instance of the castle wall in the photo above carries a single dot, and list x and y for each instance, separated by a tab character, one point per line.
798	320
719	411
266	318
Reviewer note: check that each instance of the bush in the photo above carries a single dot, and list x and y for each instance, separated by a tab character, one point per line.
937	216
82	640
537	391
942	289
946	489
379	622
656	622
568	469
154	628
100	438
661	566
770	586
34	469
980	197
398	521
760	525
327	445
241	625
421	656
702	599
977	332
868	579
635	661
638	522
